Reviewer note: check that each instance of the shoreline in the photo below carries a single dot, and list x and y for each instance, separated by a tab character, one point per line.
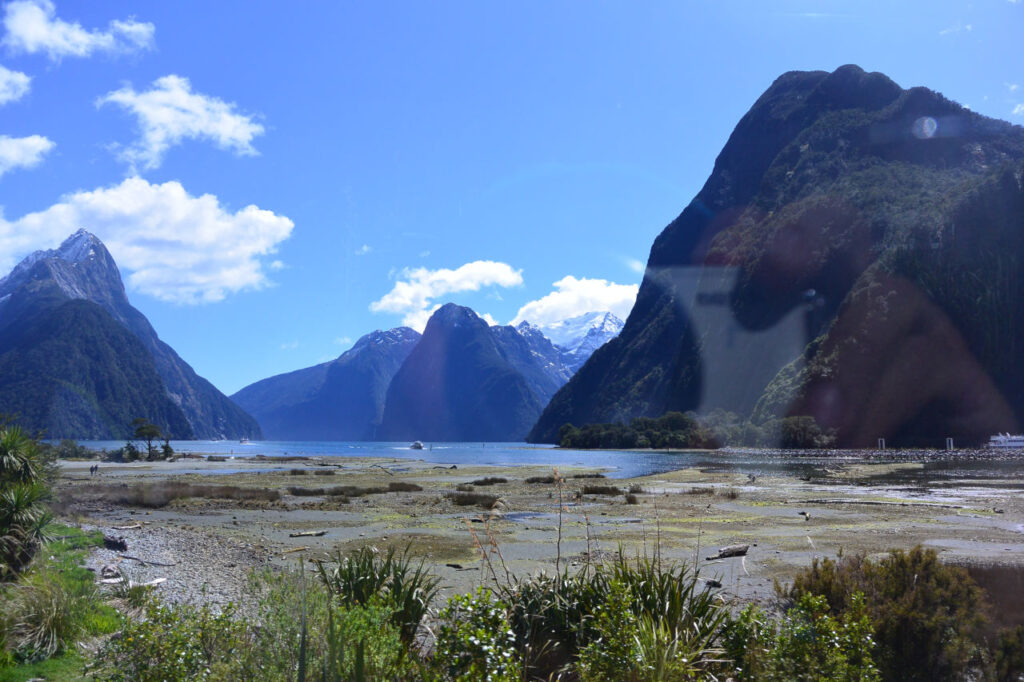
860	505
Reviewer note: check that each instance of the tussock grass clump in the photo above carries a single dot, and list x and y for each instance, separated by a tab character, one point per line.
636	489
324	472
465	488
299	491
632	499
357	578
403	487
601	490
490	480
161	494
540	479
594	475
297	472
470	499
730	493
700	490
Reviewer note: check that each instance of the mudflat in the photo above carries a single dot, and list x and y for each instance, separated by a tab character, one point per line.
203	525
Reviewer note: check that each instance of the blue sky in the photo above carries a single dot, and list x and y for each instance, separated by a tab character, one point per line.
277	178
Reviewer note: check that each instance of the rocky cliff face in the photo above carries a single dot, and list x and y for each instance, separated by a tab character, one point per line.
82	269
338	400
824	268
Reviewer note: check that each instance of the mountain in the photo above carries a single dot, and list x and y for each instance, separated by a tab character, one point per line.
338	400
34	297
578	337
461	383
855	255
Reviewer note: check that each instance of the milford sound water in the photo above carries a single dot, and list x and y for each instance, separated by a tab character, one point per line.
938	468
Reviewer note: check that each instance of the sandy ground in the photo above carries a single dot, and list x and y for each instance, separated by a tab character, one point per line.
686	515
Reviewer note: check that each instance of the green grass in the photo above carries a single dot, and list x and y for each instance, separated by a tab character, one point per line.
63	668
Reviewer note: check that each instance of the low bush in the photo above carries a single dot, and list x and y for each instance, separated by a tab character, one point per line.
601	490
156	495
299	491
808	643
297	472
465	488
632	499
324	472
403	487
490	480
475	640
357	578
540	479
930	619
595	475
469	499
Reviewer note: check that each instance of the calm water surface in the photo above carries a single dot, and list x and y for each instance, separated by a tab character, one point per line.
939	467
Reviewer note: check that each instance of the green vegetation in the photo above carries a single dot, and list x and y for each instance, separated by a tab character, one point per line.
677	430
25	475
69	369
930	621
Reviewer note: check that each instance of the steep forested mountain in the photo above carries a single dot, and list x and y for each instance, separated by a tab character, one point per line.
459	384
71	382
338	400
854	256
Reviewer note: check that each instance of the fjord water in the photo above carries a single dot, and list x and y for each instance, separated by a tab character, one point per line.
938	468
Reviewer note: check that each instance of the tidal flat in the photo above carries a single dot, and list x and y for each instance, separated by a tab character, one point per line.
203	525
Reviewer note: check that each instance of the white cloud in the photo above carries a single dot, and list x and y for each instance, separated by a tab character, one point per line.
363	250
1018	110
635	265
170	113
277	265
343	341
956	29
13	85
22	152
176	247
573	297
32	26
489	319
424	254
413	295
290	345
1012	87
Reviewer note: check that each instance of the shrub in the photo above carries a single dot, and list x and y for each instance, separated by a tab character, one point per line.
403	487
540	479
297	472
490	480
25	476
803	432
475	640
161	494
809	644
632	499
44	616
324	472
363	575
601	490
469	499
176	643
930	619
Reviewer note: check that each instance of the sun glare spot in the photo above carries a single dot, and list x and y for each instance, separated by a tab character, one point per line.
925	128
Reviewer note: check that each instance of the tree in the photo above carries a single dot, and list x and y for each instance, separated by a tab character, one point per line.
147	432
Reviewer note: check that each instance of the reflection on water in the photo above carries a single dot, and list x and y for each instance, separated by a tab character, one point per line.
1005	585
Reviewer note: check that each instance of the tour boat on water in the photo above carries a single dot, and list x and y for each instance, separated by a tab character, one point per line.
1005	440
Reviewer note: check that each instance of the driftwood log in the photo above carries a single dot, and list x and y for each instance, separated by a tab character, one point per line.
730	551
115	544
308	534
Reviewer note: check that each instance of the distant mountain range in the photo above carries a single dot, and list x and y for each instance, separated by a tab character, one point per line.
78	361
462	380
856	255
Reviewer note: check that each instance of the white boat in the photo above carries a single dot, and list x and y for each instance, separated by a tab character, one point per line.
1005	440
416	445
243	440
